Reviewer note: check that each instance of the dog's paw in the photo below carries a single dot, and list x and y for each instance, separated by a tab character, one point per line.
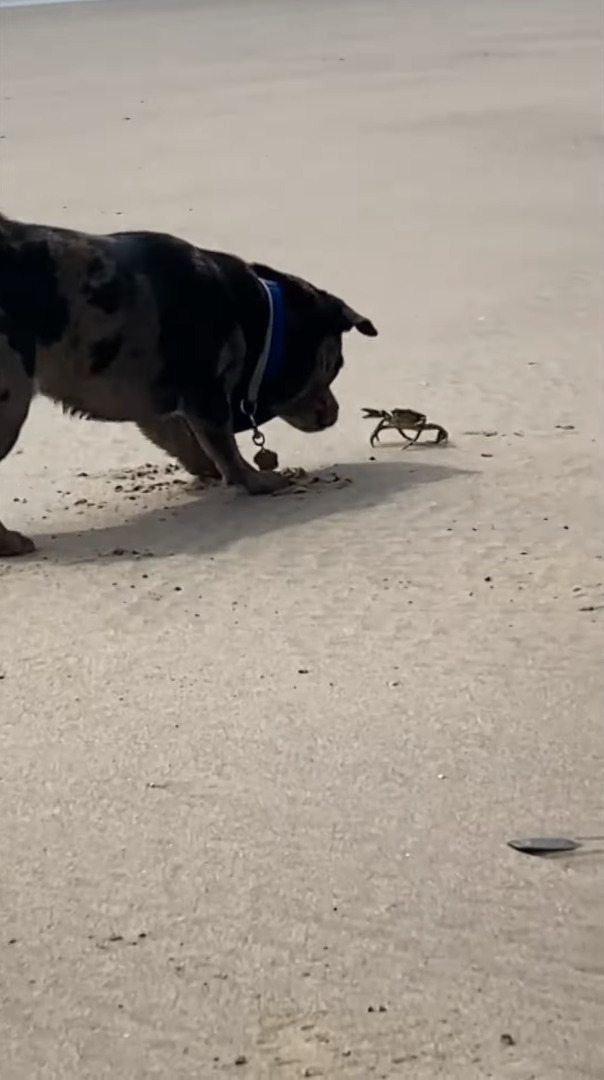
13	544
264	483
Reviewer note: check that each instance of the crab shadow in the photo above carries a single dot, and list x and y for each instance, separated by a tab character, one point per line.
204	521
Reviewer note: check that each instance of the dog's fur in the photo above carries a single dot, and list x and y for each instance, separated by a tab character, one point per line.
144	327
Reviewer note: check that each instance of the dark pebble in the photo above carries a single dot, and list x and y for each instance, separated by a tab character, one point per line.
544	845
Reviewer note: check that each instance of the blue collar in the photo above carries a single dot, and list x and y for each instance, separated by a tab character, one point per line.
277	341
267	366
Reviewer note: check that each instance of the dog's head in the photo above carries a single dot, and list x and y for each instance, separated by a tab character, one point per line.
315	324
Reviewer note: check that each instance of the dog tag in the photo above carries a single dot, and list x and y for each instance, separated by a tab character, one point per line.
266	460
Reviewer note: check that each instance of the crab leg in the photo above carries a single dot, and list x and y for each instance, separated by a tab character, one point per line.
381	426
442	433
411	438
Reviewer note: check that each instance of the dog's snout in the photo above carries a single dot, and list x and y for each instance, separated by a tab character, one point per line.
328	413
314	414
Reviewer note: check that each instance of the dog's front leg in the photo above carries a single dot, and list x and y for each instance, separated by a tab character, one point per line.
173	434
218	441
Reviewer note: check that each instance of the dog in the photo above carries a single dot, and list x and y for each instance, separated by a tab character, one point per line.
192	346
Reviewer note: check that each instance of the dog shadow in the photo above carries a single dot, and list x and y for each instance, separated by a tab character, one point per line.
204	521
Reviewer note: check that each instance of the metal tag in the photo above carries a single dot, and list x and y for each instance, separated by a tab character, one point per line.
266	460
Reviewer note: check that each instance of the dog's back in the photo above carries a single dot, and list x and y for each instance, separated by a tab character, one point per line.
113	326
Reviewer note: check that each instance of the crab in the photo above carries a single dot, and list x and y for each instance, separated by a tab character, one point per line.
403	420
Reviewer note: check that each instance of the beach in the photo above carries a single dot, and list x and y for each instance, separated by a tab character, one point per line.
260	759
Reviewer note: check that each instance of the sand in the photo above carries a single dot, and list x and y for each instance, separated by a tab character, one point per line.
259	760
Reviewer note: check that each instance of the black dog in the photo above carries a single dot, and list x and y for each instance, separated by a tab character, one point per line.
190	345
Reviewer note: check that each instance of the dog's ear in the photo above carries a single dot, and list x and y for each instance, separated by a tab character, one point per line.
347	318
354	321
